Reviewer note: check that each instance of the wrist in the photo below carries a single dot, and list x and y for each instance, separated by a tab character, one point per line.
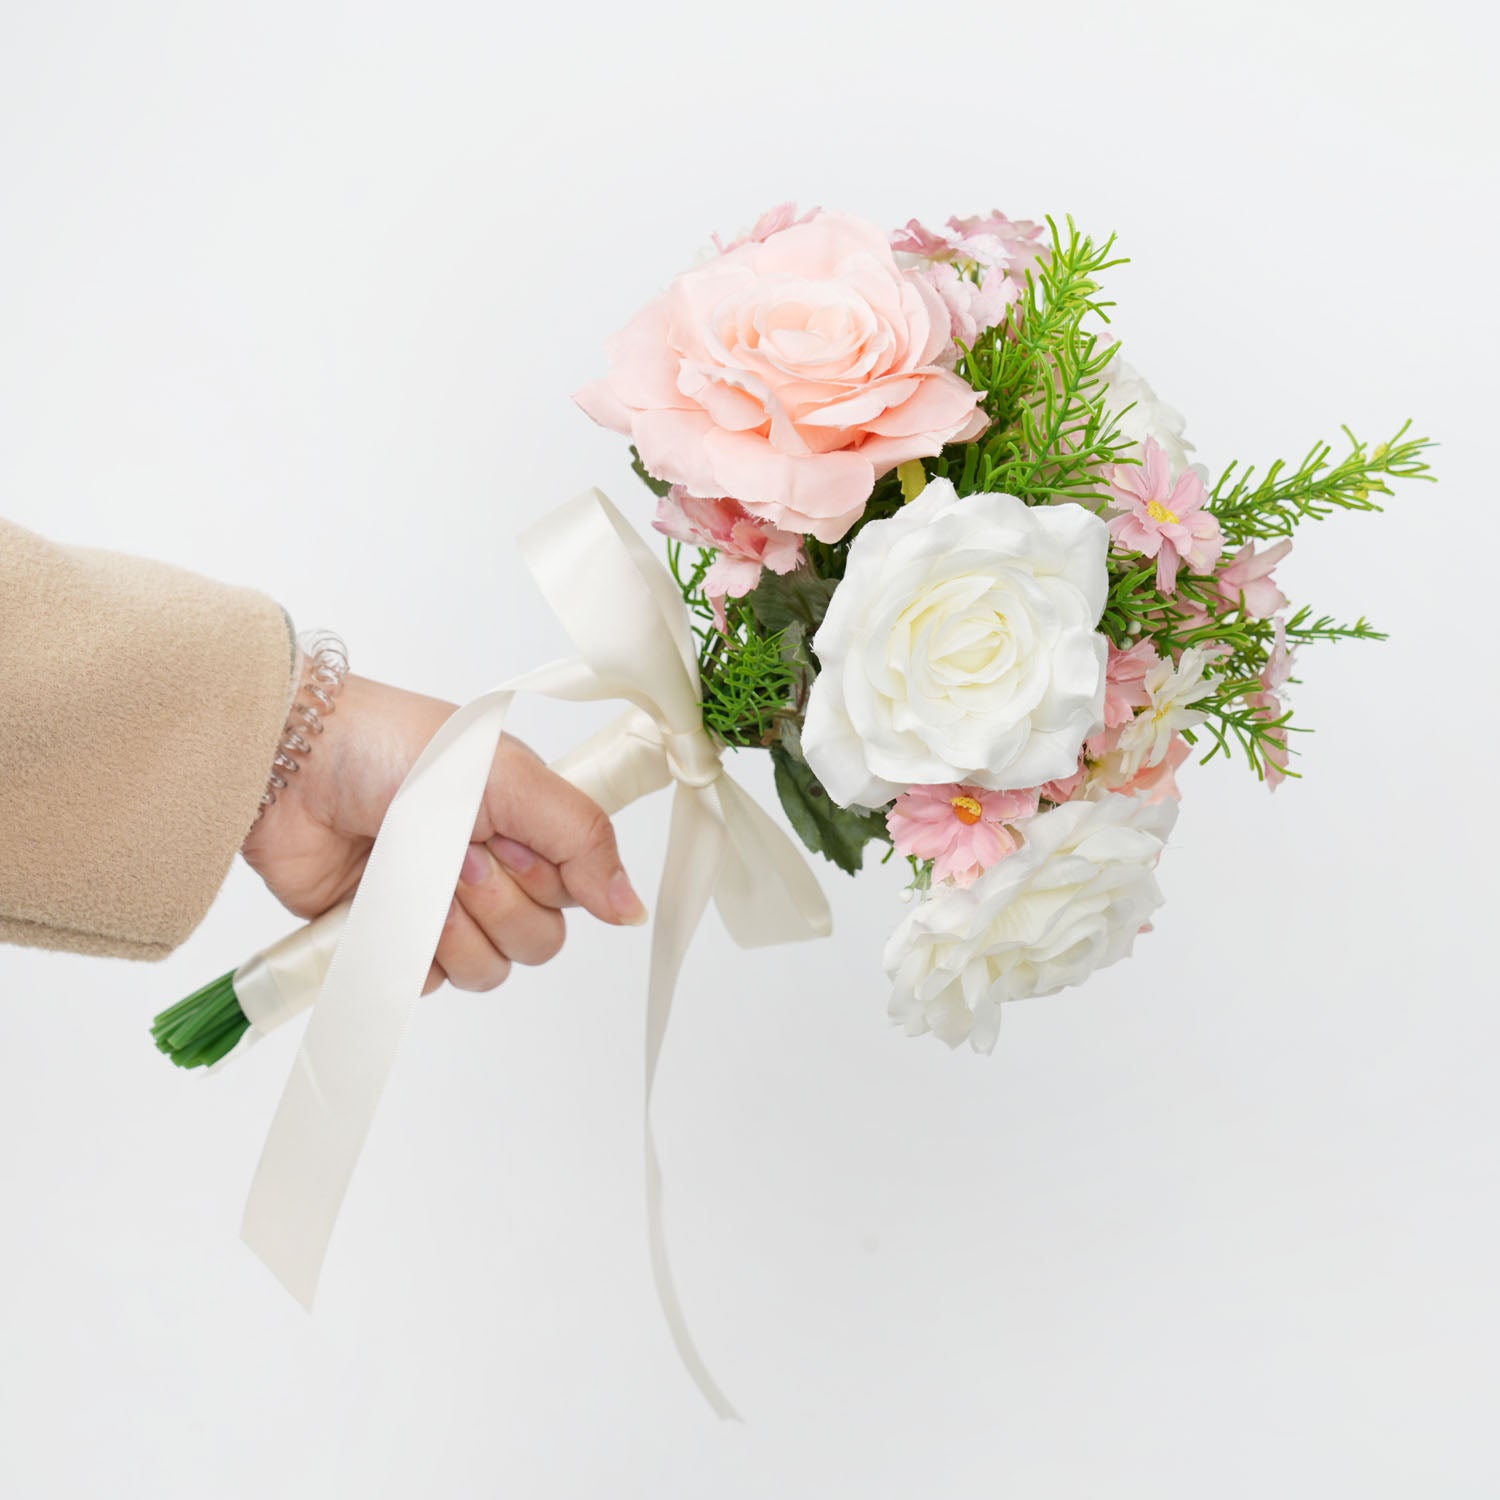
369	747
322	669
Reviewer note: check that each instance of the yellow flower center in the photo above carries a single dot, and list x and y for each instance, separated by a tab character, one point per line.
913	479
1160	514
967	810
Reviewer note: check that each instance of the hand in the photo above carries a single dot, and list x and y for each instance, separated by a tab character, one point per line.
539	844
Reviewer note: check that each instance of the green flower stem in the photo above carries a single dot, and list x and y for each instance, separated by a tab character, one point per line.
1315	488
198	1031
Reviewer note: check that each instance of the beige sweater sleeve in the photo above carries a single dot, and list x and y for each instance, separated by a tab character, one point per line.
140	708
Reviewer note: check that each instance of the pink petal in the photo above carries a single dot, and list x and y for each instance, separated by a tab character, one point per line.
672	447
1166	568
823	494
941	402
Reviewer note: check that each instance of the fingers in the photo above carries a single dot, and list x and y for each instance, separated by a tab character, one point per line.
491	923
538	877
466	956
549	816
513	923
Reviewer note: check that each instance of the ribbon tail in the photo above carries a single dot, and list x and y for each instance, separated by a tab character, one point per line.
372	985
635	643
695	851
766	893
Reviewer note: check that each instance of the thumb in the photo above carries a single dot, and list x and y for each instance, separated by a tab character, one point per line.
536	807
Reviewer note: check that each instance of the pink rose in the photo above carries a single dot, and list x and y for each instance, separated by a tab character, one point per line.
791	374
745	544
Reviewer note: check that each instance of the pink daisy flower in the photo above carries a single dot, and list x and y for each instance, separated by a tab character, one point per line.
1275	751
1162	518
1268	704
960	828
1245	580
1279	663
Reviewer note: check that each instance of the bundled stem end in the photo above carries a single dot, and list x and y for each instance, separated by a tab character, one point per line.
198	1031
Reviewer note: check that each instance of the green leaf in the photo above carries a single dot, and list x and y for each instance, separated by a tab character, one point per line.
1040	375
784	599
837	833
1287	494
747	687
658	487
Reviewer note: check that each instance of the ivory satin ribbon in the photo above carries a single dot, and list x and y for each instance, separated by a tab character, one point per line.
622	763
366	962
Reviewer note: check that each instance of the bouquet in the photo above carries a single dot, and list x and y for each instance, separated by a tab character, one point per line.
937	549
953	566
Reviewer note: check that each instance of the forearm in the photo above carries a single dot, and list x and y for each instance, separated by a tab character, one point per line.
142	706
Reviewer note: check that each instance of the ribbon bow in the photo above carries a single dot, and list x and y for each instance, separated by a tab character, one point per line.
628	622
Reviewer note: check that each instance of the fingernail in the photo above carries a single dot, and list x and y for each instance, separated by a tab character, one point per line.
513	856
624	902
476	866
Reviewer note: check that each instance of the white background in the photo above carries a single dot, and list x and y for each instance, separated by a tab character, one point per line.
294	294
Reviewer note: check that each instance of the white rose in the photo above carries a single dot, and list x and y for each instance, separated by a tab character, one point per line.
960	646
1148	415
1070	901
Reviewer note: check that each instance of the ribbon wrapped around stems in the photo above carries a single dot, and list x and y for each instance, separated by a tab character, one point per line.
366	964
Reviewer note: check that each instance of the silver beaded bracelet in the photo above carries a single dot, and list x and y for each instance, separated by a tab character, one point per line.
322	677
